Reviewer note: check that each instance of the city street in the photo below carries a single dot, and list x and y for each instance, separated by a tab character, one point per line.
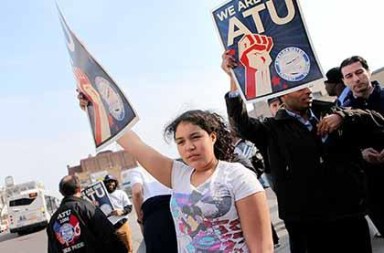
37	242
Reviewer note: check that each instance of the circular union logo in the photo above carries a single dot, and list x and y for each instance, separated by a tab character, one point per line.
67	232
111	98
292	64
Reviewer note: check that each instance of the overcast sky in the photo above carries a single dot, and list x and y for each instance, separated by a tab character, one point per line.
165	55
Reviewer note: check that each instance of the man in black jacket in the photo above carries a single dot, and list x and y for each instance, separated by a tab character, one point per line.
367	94
317	167
78	226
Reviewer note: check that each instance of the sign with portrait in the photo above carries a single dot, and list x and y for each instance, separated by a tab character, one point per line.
110	113
270	42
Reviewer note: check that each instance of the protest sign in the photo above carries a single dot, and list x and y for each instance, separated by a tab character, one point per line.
98	193
270	42
110	113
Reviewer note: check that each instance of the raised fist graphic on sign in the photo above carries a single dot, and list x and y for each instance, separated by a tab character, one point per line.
101	126
254	55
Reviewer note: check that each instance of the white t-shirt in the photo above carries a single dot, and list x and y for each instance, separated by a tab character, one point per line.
119	200
205	217
151	187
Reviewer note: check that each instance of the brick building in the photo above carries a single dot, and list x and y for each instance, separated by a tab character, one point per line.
104	162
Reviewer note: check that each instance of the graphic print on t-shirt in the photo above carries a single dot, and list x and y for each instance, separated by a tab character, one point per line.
68	232
206	221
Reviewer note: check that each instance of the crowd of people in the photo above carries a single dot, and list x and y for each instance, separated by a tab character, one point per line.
323	160
316	162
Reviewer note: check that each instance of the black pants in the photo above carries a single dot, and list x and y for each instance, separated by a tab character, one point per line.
159	230
343	235
375	177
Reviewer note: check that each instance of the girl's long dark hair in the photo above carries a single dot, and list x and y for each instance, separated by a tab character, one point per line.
209	122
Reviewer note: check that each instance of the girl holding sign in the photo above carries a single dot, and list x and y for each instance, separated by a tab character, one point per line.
216	205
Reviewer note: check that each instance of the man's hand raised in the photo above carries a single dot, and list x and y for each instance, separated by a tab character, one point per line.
228	62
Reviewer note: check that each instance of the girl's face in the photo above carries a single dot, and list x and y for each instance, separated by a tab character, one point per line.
195	145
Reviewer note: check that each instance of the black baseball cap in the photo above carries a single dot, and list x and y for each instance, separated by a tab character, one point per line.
334	76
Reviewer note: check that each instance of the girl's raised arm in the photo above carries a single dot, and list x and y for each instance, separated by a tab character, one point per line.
158	165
